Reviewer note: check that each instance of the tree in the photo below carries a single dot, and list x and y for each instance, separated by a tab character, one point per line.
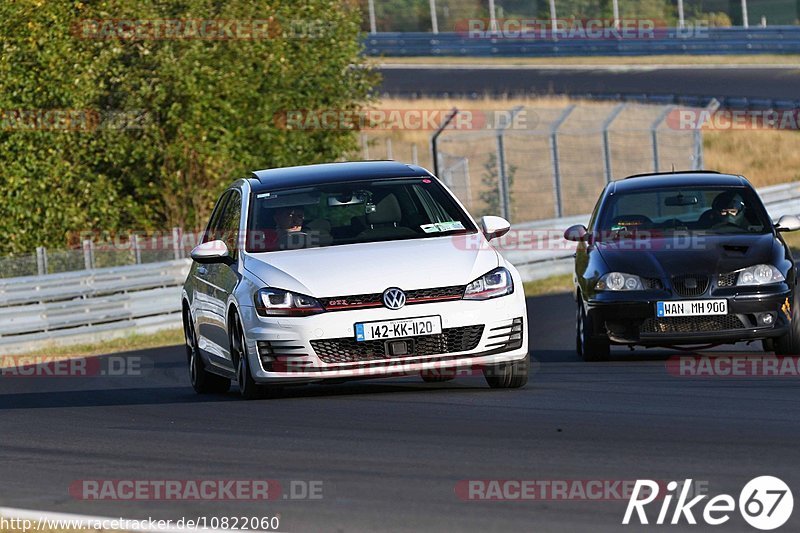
197	113
490	193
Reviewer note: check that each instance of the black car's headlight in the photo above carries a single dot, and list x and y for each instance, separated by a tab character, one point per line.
758	275
496	283
618	281
277	302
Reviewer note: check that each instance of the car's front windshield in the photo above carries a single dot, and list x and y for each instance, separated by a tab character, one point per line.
353	212
686	209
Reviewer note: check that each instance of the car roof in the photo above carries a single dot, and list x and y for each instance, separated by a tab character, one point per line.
640	182
307	175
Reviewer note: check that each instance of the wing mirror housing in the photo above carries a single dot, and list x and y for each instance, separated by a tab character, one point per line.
576	233
494	227
788	223
211	252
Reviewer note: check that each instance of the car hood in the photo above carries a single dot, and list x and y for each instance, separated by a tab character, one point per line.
368	268
698	254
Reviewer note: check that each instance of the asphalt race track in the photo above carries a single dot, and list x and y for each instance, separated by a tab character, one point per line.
720	82
390	453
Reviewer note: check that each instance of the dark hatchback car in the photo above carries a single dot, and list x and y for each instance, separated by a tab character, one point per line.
683	259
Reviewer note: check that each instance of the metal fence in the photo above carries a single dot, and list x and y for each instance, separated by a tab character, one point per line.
36	310
713	41
90	254
555	162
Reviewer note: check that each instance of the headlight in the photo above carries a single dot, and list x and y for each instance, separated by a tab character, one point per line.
495	283
277	302
617	281
759	275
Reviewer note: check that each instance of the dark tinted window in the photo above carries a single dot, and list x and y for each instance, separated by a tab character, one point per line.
213	229
229	222
710	210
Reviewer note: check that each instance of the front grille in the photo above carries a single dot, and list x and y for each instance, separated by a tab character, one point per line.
691	324
348	350
726	280
418	296
690	284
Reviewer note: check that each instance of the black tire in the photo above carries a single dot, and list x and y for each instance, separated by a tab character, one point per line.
508	375
437	376
589	348
203	381
789	344
248	388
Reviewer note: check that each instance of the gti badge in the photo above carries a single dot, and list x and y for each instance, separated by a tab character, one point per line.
394	298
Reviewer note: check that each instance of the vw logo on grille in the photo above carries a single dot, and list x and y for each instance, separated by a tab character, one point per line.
394	298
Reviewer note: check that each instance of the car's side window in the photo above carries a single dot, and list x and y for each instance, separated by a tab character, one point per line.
229	223
213	229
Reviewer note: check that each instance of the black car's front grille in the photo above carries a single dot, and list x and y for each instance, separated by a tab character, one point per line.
727	280
691	324
348	350
418	296
690	284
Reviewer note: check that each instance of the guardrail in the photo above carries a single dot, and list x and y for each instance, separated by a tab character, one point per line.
81	306
37	309
710	41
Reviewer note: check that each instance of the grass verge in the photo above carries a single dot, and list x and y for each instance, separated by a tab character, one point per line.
551	285
137	341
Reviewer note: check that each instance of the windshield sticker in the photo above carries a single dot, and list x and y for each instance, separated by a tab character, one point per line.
266	195
442	226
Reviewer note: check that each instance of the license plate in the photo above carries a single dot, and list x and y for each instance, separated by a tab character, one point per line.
692	308
392	329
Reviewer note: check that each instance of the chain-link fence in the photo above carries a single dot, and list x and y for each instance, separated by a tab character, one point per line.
453	15
101	252
556	161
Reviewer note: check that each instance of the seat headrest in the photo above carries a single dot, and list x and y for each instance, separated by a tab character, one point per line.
387	211
319	224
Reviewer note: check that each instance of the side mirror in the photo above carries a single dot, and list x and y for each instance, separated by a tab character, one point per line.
494	227
211	252
788	223
575	233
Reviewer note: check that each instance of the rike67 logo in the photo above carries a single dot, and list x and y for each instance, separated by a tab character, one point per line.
765	503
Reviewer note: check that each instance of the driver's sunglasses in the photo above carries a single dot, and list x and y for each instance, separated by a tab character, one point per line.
732	211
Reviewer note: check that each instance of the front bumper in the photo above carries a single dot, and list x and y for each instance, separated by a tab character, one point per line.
625	319
322	347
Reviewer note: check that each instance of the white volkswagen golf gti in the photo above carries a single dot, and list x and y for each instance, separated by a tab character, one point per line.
349	270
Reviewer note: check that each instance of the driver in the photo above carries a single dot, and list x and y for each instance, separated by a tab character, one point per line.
728	209
289	225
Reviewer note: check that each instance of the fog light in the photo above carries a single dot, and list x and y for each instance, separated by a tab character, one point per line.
766	319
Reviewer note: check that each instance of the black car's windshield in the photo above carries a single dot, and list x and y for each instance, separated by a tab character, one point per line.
667	210
353	212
